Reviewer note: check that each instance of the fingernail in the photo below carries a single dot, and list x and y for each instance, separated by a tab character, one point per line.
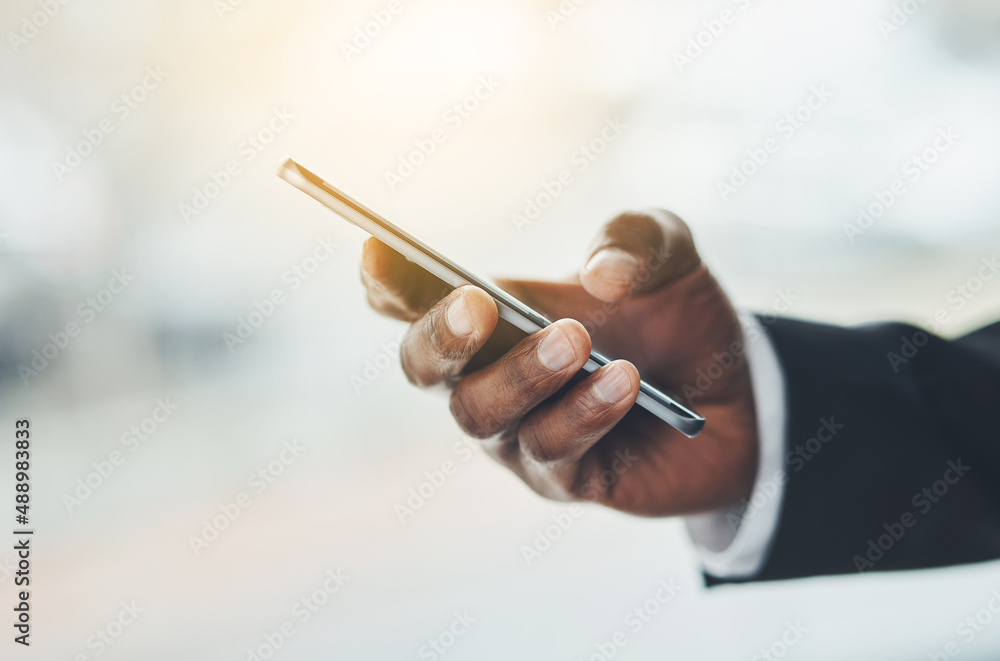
458	317
613	264
613	385
555	352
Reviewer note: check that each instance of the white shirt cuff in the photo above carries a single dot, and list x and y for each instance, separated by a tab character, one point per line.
733	543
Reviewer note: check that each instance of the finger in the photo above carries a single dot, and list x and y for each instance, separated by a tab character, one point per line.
638	252
561	432
441	342
396	286
490	400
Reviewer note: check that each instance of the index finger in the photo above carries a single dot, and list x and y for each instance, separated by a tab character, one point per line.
397	287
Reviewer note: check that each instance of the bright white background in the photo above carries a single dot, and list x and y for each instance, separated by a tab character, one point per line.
60	241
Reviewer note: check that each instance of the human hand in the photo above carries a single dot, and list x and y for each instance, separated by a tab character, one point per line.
646	299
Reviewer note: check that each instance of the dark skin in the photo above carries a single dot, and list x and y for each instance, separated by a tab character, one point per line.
649	301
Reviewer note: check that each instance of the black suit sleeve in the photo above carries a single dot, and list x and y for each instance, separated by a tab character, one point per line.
892	450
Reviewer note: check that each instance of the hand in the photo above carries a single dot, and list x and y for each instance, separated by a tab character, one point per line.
645	298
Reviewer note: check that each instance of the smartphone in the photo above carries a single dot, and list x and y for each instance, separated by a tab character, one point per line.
512	310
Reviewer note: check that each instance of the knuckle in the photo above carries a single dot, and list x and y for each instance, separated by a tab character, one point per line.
667	219
522	376
675	230
586	410
534	443
380	304
572	422
374	301
471	416
389	305
677	238
590	418
515	372
435	335
640	227
414	364
412	375
372	283
441	342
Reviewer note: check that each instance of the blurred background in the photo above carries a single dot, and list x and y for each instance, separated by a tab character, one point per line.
212	459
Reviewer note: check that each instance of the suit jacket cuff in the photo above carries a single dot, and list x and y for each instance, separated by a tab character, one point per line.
733	543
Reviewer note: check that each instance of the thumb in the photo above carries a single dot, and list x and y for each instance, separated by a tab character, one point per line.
638	252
